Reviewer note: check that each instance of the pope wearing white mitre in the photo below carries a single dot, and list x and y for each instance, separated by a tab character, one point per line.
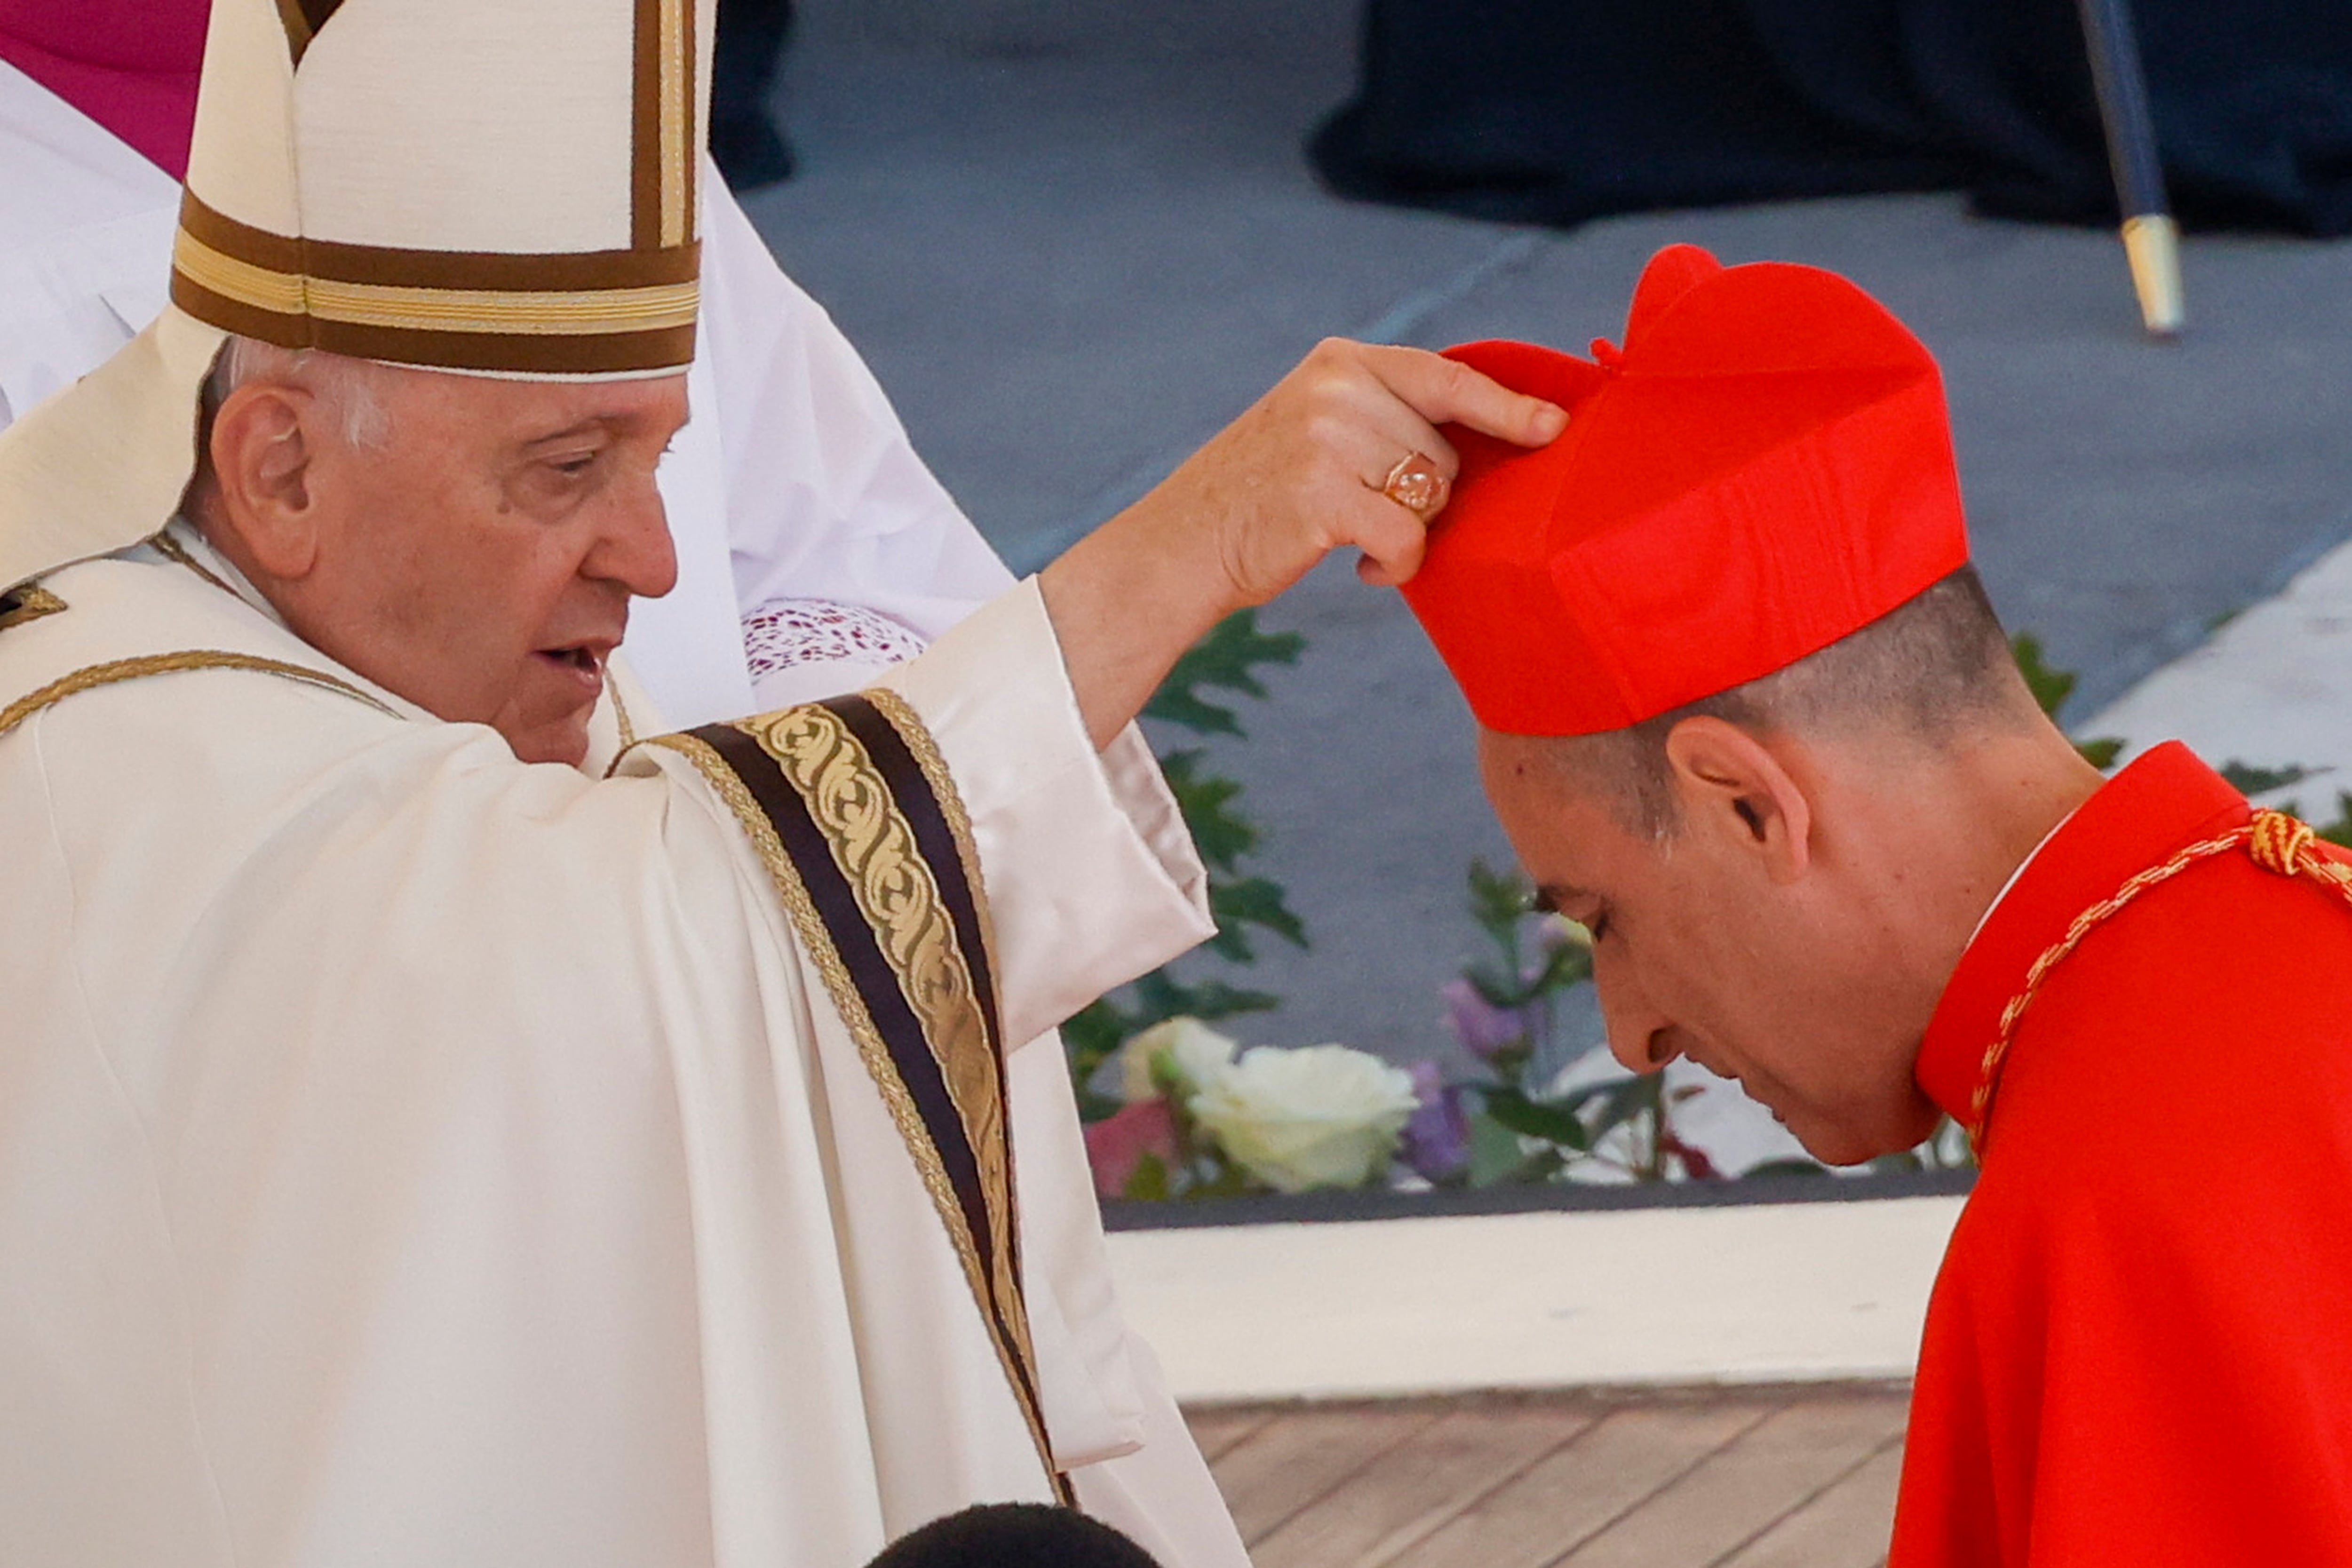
814	546
438	1123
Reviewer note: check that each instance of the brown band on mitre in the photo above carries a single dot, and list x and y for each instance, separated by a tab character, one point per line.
390	266
562	313
303	18
517	353
662	146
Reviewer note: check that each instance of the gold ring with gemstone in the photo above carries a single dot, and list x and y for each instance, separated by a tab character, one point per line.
1416	485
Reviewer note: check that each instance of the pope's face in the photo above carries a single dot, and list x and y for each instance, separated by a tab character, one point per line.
1704	948
480	558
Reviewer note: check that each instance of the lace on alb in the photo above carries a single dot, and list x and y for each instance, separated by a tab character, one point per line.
784	634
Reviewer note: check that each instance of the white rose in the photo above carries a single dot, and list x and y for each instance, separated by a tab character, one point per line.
1197	1054
1321	1116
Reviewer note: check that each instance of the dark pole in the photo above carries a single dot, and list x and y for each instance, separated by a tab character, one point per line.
2151	243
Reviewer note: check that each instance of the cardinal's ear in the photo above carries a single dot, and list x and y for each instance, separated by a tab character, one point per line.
1730	786
264	439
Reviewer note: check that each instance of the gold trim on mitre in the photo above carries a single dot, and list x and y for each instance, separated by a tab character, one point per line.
617	311
663	143
622	310
328	132
302	20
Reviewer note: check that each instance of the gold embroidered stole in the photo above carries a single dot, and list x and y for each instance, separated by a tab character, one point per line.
852	810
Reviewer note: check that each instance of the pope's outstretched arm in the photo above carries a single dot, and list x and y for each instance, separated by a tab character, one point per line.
1296	476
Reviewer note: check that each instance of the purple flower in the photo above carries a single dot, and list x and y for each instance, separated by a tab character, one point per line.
1436	1142
1484	1028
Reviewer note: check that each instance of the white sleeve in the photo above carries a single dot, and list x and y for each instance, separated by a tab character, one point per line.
1091	877
825	496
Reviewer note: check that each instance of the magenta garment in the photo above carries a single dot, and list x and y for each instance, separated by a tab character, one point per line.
131	65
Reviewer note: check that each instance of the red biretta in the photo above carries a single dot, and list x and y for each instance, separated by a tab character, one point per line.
2139	1348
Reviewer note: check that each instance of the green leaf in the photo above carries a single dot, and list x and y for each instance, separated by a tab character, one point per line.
1570	963
1222	836
1495	1156
1091	1037
2248	779
1225	1179
2102	752
1251	901
1227	660
1624	1102
1200	718
2051	686
1149	1180
1494	989
1160	997
1499	900
2340	830
1553	1123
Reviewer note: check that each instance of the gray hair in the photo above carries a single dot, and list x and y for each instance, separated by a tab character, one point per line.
347	385
1928	671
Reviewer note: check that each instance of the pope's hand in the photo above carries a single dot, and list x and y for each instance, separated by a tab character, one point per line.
1299	474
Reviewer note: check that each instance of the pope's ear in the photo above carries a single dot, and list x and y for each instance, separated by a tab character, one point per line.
262	447
1731	787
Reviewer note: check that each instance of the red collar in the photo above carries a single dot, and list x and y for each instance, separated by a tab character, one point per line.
2165	800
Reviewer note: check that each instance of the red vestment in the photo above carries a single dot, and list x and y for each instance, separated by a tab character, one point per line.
2140	1349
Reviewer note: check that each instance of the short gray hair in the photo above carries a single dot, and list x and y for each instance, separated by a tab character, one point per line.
1928	669
347	385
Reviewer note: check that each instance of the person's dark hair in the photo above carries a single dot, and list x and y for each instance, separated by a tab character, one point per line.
1014	1535
1931	669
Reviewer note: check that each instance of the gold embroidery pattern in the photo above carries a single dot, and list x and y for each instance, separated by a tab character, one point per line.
98	675
875	847
29	602
909	725
902	718
1018	1360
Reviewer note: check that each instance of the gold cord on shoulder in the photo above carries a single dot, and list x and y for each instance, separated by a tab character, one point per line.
2278	842
121	669
174	550
29	602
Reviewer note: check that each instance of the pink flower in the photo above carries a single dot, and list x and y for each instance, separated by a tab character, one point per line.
1117	1144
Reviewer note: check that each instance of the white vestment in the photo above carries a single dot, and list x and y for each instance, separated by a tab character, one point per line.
806	526
408	1156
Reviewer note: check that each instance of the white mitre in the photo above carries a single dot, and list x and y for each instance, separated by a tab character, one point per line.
504	189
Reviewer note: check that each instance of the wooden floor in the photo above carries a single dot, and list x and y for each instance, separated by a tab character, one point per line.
1773	1479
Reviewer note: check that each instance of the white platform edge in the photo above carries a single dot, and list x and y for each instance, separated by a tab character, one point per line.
1741	1294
